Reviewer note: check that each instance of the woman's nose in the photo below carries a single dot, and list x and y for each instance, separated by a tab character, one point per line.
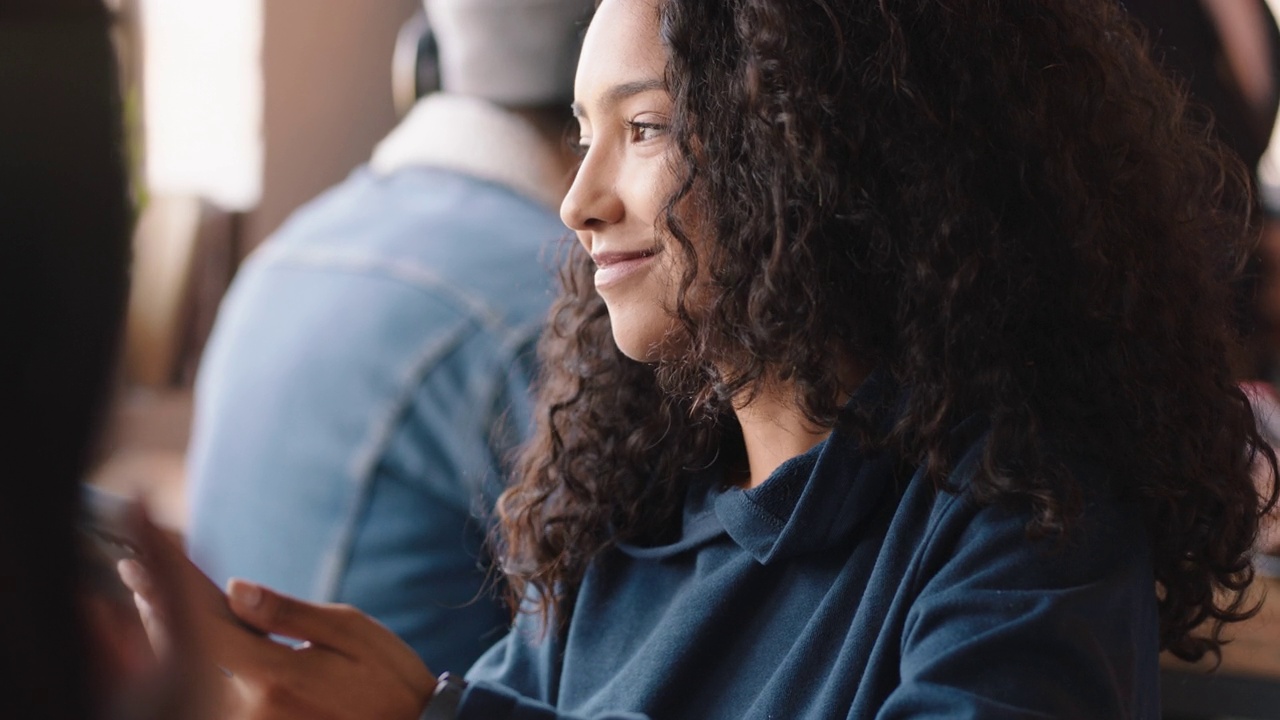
592	201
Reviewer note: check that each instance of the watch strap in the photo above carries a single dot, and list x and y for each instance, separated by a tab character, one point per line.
444	701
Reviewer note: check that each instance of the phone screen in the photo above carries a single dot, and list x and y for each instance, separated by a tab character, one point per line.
103	520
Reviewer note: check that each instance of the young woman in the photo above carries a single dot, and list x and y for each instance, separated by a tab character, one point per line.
889	380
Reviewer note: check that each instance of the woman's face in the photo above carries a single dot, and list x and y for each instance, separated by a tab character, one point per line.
615	201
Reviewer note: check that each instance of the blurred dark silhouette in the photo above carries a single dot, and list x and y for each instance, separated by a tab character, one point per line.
1229	59
1228	53
64	250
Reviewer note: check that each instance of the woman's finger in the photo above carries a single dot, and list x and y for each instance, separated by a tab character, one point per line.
193	632
135	577
340	628
185	611
333	626
152	624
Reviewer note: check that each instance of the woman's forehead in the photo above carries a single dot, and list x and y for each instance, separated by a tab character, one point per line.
621	49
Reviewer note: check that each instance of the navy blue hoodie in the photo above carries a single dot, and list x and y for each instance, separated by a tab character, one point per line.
841	589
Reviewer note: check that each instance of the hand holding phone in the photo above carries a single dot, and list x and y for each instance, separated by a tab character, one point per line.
349	667
104	521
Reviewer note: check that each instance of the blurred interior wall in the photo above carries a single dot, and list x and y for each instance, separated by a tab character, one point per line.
202	111
250	108
326	97
258	105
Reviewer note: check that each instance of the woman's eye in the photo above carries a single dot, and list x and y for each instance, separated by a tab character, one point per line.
645	131
580	146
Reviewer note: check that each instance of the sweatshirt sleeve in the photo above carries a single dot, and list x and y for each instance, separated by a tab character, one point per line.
490	701
1004	627
519	679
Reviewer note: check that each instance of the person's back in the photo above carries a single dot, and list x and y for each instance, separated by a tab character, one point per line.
370	366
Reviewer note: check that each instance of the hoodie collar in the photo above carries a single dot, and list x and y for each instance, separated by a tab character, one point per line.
813	502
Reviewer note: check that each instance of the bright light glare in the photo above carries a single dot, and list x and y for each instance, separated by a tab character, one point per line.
202	90
1269	166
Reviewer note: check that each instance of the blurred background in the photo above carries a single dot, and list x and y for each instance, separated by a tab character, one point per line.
237	112
240	111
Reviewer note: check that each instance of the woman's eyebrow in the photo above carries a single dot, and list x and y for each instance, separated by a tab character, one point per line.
620	92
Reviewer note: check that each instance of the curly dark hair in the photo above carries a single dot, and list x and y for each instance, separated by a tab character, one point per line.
1002	204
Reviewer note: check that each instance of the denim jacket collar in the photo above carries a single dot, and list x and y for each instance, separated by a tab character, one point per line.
477	138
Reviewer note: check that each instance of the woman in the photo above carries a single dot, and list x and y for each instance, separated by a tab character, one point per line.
889	379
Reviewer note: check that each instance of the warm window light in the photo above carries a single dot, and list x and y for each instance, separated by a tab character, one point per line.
202	85
1269	166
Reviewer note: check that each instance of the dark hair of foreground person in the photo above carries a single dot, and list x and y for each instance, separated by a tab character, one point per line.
64	252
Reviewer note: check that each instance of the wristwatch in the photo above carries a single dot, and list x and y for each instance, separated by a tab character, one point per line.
444	702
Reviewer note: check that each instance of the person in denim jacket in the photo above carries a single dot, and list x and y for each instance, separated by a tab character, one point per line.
369	368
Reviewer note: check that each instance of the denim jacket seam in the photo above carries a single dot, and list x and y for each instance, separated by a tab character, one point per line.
370	453
392	269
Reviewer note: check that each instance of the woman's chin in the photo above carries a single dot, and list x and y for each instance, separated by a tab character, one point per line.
645	352
645	342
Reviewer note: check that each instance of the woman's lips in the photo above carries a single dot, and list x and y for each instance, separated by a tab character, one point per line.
613	267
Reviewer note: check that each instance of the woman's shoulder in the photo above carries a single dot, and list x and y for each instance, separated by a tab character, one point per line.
974	515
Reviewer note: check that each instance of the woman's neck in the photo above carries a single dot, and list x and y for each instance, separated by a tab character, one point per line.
774	430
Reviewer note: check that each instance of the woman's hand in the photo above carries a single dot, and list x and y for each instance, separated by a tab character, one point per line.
349	666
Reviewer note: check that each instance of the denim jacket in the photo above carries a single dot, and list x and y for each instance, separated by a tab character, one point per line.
368	377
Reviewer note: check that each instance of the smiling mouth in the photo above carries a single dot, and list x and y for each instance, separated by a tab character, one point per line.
609	259
614	267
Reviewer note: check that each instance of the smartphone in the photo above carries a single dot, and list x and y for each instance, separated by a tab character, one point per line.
107	533
104	523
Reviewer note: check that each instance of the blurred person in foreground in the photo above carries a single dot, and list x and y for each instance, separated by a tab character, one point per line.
369	368
72	645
